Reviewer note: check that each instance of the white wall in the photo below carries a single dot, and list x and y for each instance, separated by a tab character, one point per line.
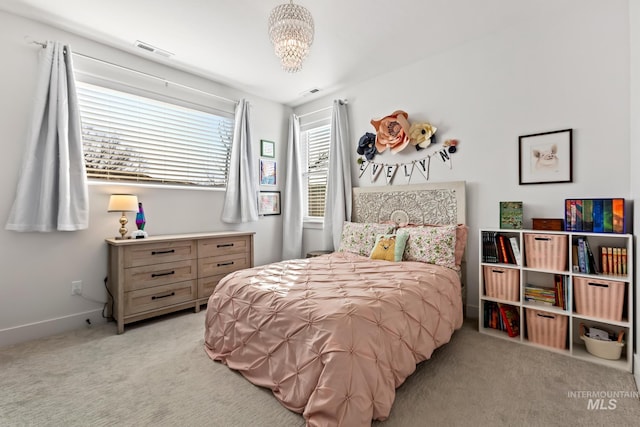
634	158
570	70
37	268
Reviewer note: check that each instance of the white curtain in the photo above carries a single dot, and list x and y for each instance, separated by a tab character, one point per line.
241	197
338	201
292	213
52	192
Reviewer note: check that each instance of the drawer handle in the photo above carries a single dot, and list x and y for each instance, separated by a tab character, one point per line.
546	239
548	316
498	271
168	273
222	264
225	245
163	296
168	251
600	285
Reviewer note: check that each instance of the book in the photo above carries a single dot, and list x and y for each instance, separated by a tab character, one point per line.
587	215
623	252
511	215
598	219
516	250
582	262
578	217
592	268
604	265
568	222
617	206
607	215
510	319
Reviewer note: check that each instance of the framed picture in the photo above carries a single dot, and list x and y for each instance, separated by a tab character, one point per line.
267	148
546	158
269	203
267	172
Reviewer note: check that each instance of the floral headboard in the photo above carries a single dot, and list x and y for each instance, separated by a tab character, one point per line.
433	203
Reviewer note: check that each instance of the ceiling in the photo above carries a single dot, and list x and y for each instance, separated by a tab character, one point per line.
227	41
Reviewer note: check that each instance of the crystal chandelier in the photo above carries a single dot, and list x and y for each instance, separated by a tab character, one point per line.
291	32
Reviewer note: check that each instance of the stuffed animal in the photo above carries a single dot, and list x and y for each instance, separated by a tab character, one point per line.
385	248
392	131
420	134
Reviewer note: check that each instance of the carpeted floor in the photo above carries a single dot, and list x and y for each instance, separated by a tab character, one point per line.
157	373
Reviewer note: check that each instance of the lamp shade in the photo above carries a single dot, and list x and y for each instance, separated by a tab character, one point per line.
123	203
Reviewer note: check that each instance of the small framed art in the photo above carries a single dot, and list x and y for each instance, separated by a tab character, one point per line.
267	172
545	158
267	148
269	203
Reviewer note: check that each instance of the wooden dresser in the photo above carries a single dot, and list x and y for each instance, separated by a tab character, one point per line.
161	274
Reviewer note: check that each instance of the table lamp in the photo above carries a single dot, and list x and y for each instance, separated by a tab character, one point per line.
123	203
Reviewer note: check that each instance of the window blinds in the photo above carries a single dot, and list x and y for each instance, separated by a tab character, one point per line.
316	153
132	138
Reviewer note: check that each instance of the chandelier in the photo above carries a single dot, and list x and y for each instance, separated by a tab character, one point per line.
291	32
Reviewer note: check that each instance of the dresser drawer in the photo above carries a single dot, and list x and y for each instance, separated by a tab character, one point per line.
223	245
222	264
154	253
207	285
160	296
149	276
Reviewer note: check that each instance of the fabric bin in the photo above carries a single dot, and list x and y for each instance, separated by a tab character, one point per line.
599	298
502	283
546	328
546	251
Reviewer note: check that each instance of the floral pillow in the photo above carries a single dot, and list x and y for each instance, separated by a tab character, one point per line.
461	238
433	245
359	238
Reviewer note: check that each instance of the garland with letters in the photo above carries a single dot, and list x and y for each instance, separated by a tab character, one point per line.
408	169
395	133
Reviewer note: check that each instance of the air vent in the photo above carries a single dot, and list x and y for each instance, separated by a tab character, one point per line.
310	91
152	49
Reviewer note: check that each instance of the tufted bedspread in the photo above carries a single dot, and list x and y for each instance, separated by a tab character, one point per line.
333	336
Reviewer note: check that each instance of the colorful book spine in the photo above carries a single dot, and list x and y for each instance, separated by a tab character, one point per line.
598	223
618	215
607	215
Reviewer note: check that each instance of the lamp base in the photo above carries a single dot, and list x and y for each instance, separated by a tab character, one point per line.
139	234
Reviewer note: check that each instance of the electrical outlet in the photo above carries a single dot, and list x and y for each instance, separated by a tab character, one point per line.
76	287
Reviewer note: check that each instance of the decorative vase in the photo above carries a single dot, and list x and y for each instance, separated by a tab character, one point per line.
141	221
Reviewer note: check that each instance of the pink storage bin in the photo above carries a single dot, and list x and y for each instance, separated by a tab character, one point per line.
599	298
546	251
545	328
502	283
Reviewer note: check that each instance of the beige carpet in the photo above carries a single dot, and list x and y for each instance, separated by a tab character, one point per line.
157	373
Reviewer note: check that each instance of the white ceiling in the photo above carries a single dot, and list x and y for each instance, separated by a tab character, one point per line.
227	41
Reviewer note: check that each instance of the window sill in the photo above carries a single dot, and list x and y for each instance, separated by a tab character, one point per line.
313	224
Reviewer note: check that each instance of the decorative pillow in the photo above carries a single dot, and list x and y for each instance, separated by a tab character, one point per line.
461	239
389	247
433	245
359	238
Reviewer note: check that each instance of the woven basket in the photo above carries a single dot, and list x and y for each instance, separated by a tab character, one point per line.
546	251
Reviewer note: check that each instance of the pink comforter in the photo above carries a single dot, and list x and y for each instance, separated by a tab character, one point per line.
333	336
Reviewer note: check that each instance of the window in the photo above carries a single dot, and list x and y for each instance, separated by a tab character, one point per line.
315	151
136	139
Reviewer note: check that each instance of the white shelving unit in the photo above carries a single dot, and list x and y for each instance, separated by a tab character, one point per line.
575	346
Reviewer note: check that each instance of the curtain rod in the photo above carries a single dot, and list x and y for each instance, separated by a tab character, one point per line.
44	45
320	110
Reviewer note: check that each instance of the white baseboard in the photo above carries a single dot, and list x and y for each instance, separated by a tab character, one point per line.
49	327
636	370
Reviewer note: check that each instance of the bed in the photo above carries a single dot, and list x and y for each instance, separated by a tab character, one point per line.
333	336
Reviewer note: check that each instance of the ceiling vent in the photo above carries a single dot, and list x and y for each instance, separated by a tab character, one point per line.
310	92
152	49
